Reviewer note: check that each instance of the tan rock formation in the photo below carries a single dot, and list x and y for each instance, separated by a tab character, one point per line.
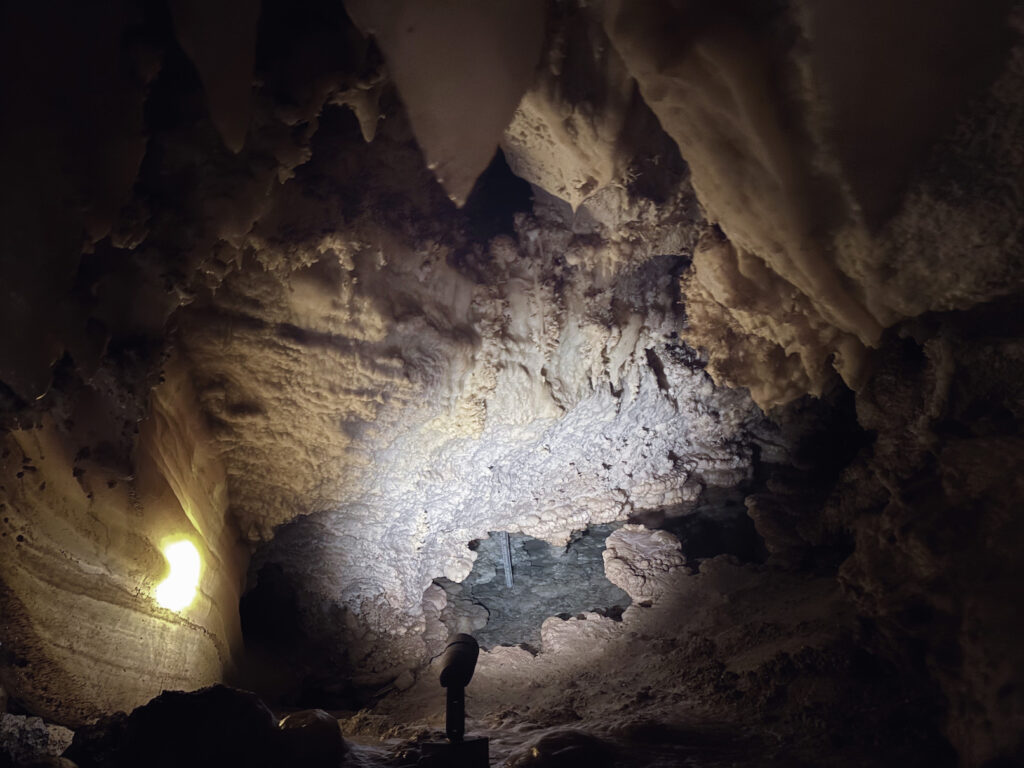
80	558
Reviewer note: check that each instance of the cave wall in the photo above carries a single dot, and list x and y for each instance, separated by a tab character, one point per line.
129	191
83	527
546	580
930	508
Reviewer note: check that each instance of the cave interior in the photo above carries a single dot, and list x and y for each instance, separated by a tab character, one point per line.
674	350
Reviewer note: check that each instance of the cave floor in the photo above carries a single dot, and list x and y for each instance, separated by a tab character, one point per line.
658	746
734	675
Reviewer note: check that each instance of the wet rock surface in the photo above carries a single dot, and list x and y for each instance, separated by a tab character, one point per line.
547	580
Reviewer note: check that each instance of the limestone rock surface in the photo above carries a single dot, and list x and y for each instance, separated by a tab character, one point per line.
25	740
82	559
635	559
823	226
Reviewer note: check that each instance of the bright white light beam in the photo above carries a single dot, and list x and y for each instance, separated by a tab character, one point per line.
178	590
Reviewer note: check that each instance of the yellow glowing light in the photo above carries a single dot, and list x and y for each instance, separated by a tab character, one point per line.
178	590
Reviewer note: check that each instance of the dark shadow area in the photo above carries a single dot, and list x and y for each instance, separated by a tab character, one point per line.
497	197
270	614
293	658
719	525
548	580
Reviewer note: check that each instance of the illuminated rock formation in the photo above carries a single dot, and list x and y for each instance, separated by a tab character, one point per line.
82	560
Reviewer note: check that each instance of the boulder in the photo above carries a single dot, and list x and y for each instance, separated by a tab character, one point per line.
312	738
564	749
209	728
25	740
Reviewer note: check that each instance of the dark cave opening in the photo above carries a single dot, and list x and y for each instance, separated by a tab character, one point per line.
548	580
497	197
717	525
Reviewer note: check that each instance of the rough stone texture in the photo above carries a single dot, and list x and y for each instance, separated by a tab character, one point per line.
421	401
768	647
80	556
948	449
97	469
776	339
24	740
548	580
778	139
637	558
313	738
567	134
544	476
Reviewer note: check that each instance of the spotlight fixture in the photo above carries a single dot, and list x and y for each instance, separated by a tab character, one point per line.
178	590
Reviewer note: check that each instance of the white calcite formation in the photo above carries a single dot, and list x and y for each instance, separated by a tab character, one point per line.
641	561
548	398
568	133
